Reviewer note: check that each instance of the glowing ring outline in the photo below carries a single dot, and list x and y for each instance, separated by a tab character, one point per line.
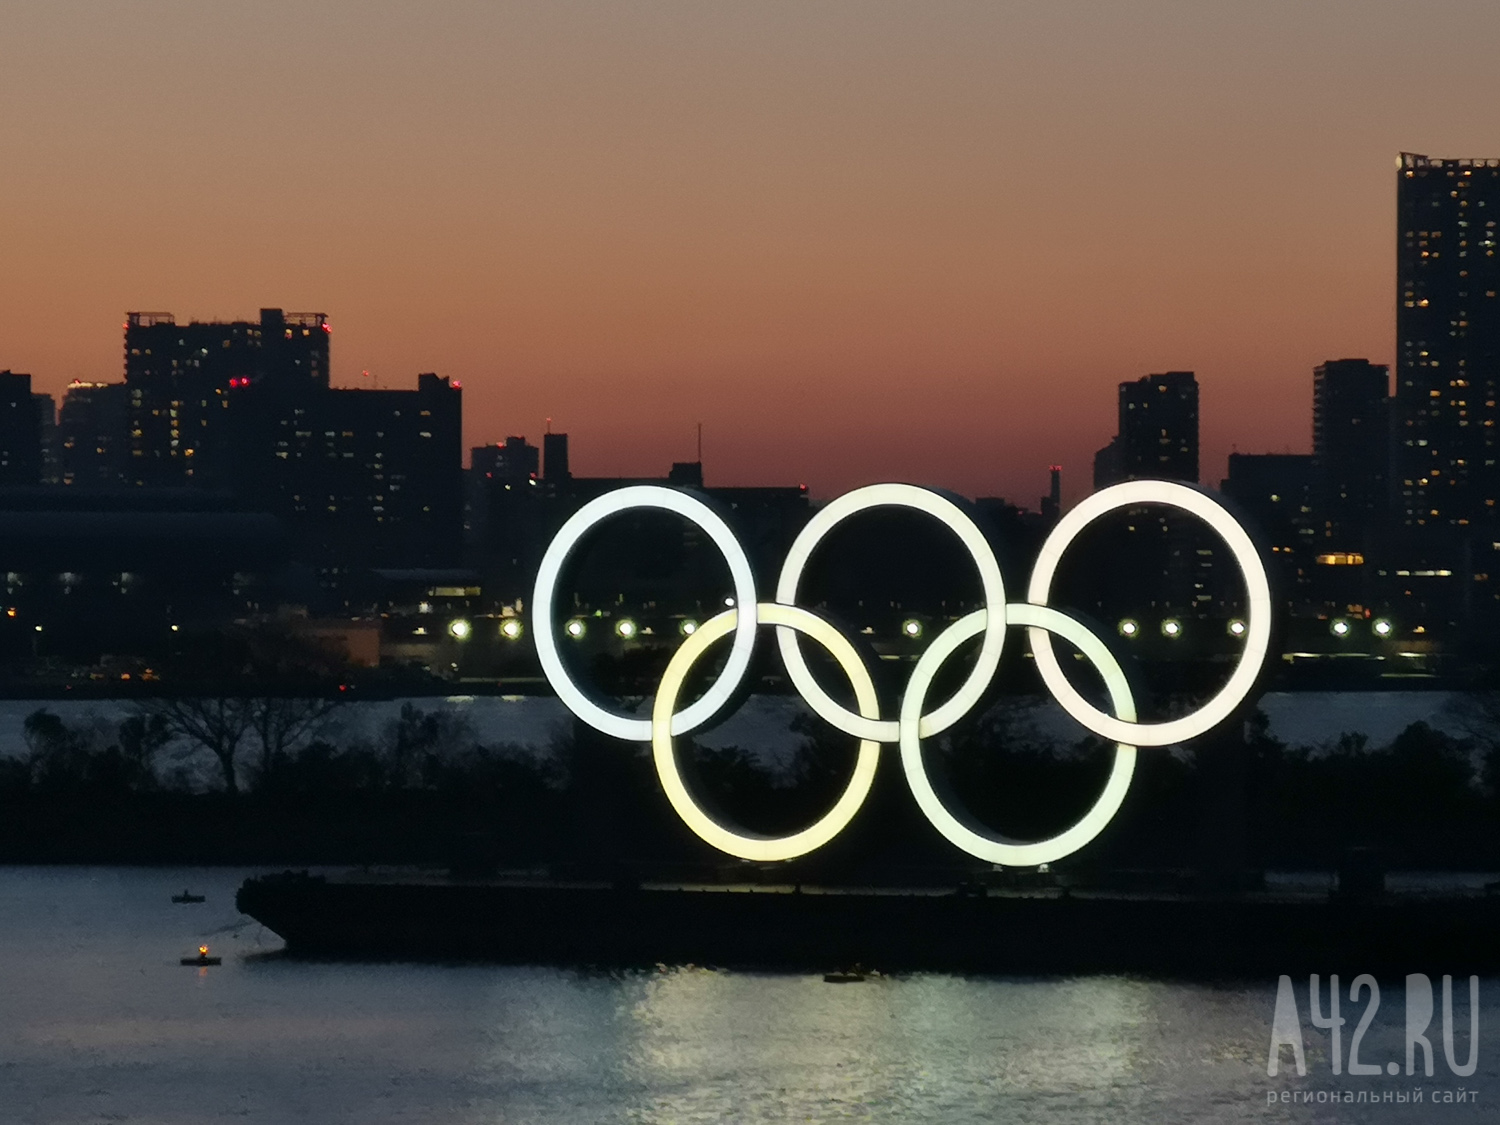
562	545
1257	641
999	849
951	516
765	849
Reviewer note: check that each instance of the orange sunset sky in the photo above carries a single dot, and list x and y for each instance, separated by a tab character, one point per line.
857	241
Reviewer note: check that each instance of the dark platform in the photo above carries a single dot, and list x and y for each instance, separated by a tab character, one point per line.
972	930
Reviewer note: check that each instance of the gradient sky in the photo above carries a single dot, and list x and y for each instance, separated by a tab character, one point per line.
858	241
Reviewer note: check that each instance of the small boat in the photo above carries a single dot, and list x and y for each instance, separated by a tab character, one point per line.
187	896
203	958
845	976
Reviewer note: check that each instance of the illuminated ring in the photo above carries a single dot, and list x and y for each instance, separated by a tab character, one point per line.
951	516
998	849
562	545
1257	615
756	847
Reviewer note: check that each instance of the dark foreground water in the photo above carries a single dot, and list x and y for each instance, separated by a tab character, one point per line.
99	1023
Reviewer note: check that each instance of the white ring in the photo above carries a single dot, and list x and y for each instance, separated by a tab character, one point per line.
951	516
613	503
1257	612
999	849
764	849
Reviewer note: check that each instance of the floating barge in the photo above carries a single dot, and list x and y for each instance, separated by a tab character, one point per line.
1045	930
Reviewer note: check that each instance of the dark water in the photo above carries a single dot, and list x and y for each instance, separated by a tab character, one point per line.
99	1023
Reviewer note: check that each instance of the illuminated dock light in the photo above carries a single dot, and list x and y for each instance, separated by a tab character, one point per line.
511	629
625	628
460	629
575	628
1128	628
1339	627
1171	628
1383	628
1236	628
911	627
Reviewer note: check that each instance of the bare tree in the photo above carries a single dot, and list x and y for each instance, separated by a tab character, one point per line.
218	724
281	723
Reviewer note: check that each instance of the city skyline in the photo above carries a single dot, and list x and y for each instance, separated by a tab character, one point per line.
634	221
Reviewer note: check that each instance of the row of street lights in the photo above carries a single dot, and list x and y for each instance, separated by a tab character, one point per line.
461	629
1172	627
1129	628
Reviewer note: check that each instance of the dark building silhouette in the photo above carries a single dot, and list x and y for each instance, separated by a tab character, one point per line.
1274	492
1351	451
1159	426
93	446
508	537
1447	342
514	462
512	466
179	375
1170	568
20	431
1158	431
360	478
1445	484
555	458
1109	466
46	417
687	474
1051	506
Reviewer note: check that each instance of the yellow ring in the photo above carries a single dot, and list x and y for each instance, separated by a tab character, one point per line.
764	849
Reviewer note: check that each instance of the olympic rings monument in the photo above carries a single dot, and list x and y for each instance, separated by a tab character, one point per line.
1048	926
904	723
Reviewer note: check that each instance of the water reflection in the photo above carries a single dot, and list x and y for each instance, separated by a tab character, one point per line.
731	1046
99	1021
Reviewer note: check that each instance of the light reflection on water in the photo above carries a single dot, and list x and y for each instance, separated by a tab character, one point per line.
98	1022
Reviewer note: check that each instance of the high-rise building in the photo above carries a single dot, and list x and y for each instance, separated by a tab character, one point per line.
555	458
92	435
46	420
1159	426
1171	566
1351	451
20	431
1158	431
1446	441
1274	492
179	376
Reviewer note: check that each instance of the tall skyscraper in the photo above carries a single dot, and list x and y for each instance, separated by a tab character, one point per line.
1351	451
1158	431
1447	345
555	469
1170	563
